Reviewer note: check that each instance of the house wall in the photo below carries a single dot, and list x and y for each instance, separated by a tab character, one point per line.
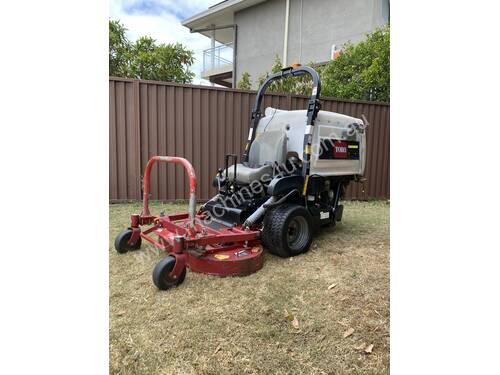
324	23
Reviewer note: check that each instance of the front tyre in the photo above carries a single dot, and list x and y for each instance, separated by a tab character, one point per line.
121	242
288	230
162	277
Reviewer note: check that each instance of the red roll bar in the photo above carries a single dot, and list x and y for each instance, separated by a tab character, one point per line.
192	184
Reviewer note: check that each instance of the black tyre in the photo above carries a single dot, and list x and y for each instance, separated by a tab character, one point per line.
121	242
264	237
288	230
161	274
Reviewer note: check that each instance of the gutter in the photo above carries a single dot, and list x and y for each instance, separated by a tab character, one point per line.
211	10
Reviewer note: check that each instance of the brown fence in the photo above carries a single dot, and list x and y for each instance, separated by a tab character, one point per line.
202	124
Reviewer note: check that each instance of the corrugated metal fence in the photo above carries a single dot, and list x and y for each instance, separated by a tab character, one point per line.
202	124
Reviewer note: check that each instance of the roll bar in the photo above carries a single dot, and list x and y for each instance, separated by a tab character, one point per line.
192	184
312	111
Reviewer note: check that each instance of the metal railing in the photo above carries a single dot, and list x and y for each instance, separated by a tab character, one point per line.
217	57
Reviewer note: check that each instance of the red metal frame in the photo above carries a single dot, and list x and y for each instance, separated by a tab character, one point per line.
189	237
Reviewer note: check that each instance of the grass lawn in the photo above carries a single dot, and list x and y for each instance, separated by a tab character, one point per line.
211	325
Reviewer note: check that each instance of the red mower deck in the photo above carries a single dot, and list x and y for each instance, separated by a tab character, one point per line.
195	240
224	251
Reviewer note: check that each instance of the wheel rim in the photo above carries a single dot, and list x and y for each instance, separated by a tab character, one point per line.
297	233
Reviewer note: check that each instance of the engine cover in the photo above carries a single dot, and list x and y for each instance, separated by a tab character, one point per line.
339	141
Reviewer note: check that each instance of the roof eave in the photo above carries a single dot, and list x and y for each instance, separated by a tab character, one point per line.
215	9
225	6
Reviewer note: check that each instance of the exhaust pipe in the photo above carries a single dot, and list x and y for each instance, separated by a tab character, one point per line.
253	218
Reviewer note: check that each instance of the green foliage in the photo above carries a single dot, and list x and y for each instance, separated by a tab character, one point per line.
301	85
163	62
145	59
245	83
119	47
362	70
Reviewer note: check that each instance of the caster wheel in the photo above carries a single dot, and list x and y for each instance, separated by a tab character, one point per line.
121	242
161	274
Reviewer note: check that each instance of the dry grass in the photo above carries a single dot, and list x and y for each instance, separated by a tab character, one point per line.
211	325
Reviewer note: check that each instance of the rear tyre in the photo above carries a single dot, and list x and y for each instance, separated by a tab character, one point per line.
288	230
161	274
121	242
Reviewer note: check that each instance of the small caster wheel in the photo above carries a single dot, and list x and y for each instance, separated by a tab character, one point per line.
161	274
121	242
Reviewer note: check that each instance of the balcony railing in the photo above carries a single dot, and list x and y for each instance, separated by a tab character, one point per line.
218	57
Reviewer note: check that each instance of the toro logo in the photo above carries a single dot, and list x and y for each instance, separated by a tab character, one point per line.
340	150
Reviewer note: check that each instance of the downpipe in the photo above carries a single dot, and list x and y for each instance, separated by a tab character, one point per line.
285	37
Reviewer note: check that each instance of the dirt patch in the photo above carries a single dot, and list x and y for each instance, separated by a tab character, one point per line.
285	319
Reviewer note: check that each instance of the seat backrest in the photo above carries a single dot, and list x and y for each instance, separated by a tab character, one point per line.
268	147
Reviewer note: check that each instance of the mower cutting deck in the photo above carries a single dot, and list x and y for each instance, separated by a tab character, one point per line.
294	170
193	240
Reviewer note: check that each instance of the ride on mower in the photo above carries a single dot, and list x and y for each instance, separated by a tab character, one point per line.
292	176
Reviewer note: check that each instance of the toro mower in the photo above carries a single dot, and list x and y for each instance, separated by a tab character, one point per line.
291	178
